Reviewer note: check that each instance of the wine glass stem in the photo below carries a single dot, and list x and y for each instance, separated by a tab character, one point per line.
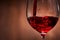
43	37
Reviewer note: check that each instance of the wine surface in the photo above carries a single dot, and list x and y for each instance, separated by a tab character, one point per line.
43	24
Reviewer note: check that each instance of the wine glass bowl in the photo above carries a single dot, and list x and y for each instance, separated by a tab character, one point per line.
42	15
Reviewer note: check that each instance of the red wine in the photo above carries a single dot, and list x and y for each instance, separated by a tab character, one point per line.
43	24
34	7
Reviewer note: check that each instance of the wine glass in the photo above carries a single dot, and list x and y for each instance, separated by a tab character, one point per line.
42	15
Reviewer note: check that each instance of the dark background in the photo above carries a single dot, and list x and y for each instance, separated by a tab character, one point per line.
14	25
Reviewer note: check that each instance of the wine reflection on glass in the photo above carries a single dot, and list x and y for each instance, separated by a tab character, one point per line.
42	15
